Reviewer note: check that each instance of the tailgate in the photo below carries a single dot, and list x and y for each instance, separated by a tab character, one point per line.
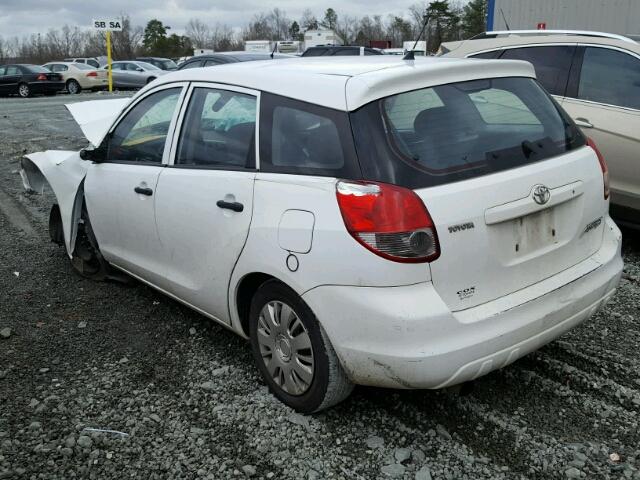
503	232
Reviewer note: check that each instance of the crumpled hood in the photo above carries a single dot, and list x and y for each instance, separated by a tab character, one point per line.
96	116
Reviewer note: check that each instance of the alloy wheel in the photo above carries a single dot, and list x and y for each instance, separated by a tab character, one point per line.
285	347
23	90
73	87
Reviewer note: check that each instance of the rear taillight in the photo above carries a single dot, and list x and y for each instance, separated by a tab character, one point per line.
41	77
390	221
92	74
603	167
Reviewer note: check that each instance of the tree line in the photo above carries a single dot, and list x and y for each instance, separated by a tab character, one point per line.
447	20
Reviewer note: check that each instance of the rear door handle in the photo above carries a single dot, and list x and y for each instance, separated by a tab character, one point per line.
235	206
583	122
143	191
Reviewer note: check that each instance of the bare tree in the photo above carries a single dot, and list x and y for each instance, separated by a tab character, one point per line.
200	34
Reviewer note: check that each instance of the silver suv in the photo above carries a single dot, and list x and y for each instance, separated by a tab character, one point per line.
596	78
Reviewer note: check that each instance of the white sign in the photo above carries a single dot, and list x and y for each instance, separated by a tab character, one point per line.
104	25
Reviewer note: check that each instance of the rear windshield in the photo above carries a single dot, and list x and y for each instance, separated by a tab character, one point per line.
461	130
37	69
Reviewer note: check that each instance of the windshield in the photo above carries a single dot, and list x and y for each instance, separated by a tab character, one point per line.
37	69
169	65
82	66
461	130
147	66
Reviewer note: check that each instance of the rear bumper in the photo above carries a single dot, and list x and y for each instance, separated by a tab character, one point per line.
406	337
46	87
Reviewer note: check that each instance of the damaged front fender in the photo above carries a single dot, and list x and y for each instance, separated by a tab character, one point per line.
64	171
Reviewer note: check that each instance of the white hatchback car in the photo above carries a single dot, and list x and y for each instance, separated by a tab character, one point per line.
375	221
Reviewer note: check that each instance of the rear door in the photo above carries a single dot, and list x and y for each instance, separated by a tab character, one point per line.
121	191
511	205
13	75
204	198
605	101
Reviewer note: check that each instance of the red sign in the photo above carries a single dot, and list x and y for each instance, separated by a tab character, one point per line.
542	26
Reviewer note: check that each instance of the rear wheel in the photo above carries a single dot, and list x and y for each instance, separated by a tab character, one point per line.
73	87
292	351
24	90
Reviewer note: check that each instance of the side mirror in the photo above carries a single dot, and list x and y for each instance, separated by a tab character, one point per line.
92	154
139	69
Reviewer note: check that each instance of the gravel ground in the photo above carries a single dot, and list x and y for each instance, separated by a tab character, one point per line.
103	380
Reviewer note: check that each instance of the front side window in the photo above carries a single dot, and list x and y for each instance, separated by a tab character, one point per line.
131	67
551	64
142	133
302	138
611	77
453	132
218	130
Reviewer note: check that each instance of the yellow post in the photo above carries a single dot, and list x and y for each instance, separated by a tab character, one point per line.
109	60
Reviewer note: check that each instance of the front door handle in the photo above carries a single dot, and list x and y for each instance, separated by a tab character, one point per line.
143	191
235	206
583	122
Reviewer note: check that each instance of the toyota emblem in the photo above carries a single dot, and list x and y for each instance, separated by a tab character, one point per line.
541	194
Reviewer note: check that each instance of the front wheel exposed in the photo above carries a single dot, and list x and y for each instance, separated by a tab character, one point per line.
292	351
87	259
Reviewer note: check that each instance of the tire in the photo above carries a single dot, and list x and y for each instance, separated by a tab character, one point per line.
73	87
87	259
150	79
24	90
328	384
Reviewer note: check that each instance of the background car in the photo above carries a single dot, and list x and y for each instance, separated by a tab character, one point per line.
133	74
228	57
79	76
339	50
88	60
161	63
26	80
596	78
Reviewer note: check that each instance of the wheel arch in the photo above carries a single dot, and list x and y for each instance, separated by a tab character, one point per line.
244	292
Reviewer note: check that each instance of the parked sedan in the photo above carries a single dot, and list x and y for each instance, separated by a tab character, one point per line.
133	74
26	80
378	222
228	57
79	76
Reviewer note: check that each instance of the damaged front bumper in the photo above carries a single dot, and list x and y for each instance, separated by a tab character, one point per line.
406	337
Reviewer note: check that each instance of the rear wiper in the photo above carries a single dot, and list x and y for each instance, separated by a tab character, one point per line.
528	148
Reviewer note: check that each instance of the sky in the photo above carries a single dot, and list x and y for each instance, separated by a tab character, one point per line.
22	17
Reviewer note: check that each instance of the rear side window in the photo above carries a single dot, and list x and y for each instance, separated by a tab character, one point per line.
458	131
551	63
487	55
301	138
610	77
219	130
315	52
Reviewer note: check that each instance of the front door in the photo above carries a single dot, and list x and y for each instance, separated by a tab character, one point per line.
204	199
606	104
120	192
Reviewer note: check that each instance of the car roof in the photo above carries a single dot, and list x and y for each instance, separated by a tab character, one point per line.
511	39
348	83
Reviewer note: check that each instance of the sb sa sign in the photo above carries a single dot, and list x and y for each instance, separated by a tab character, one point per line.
107	24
